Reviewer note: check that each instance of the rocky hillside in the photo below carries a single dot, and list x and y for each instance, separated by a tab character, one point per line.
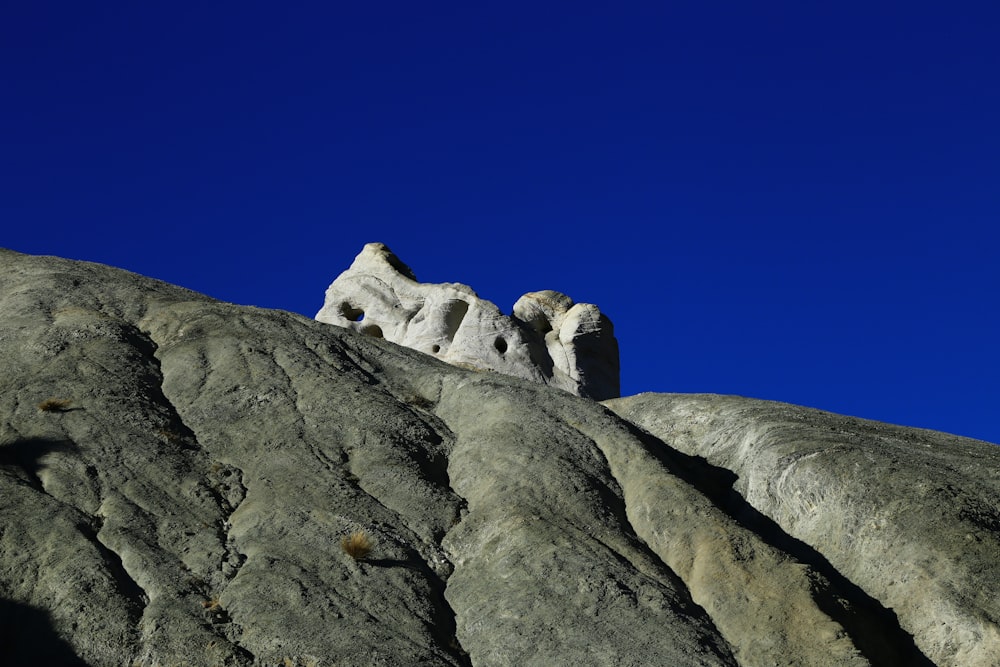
178	477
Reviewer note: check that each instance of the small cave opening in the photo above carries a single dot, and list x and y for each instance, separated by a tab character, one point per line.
373	330
500	344
435	348
351	313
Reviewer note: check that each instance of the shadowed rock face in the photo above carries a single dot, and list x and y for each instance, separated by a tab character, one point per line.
185	502
547	339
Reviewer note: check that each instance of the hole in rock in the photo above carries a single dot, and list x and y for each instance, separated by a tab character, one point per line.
435	349
373	330
500	344
454	312
352	313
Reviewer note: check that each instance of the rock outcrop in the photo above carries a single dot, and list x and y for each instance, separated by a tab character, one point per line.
910	516
177	474
547	339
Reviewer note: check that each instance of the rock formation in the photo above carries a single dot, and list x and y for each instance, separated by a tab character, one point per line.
177	475
547	339
910	516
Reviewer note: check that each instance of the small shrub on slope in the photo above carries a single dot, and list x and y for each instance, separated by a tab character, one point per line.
357	545
54	405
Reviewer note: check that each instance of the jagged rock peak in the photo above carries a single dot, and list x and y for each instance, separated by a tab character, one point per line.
548	338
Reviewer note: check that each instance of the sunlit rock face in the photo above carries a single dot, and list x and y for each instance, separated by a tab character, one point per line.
548	338
178	475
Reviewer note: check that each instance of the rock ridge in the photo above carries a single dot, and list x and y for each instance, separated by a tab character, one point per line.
547	339
176	475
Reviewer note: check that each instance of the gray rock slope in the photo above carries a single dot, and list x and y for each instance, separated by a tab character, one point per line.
176	476
910	516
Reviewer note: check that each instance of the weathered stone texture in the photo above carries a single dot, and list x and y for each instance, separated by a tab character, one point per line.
185	503
909	515
548	339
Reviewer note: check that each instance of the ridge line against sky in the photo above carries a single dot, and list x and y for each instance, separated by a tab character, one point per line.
790	202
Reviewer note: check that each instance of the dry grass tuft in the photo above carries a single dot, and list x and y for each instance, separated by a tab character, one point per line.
357	545
170	435
55	405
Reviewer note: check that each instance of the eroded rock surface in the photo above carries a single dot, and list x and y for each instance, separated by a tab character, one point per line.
911	516
176	475
547	339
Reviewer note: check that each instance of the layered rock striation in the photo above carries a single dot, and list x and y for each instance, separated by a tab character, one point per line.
177	475
548	338
911	516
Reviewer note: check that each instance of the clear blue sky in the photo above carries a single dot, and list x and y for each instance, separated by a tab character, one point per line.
786	200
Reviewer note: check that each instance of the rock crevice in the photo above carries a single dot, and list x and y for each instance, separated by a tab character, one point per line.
881	504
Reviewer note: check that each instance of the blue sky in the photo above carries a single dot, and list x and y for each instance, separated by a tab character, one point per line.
777	200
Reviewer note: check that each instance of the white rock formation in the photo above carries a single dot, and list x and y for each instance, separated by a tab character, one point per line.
547	339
